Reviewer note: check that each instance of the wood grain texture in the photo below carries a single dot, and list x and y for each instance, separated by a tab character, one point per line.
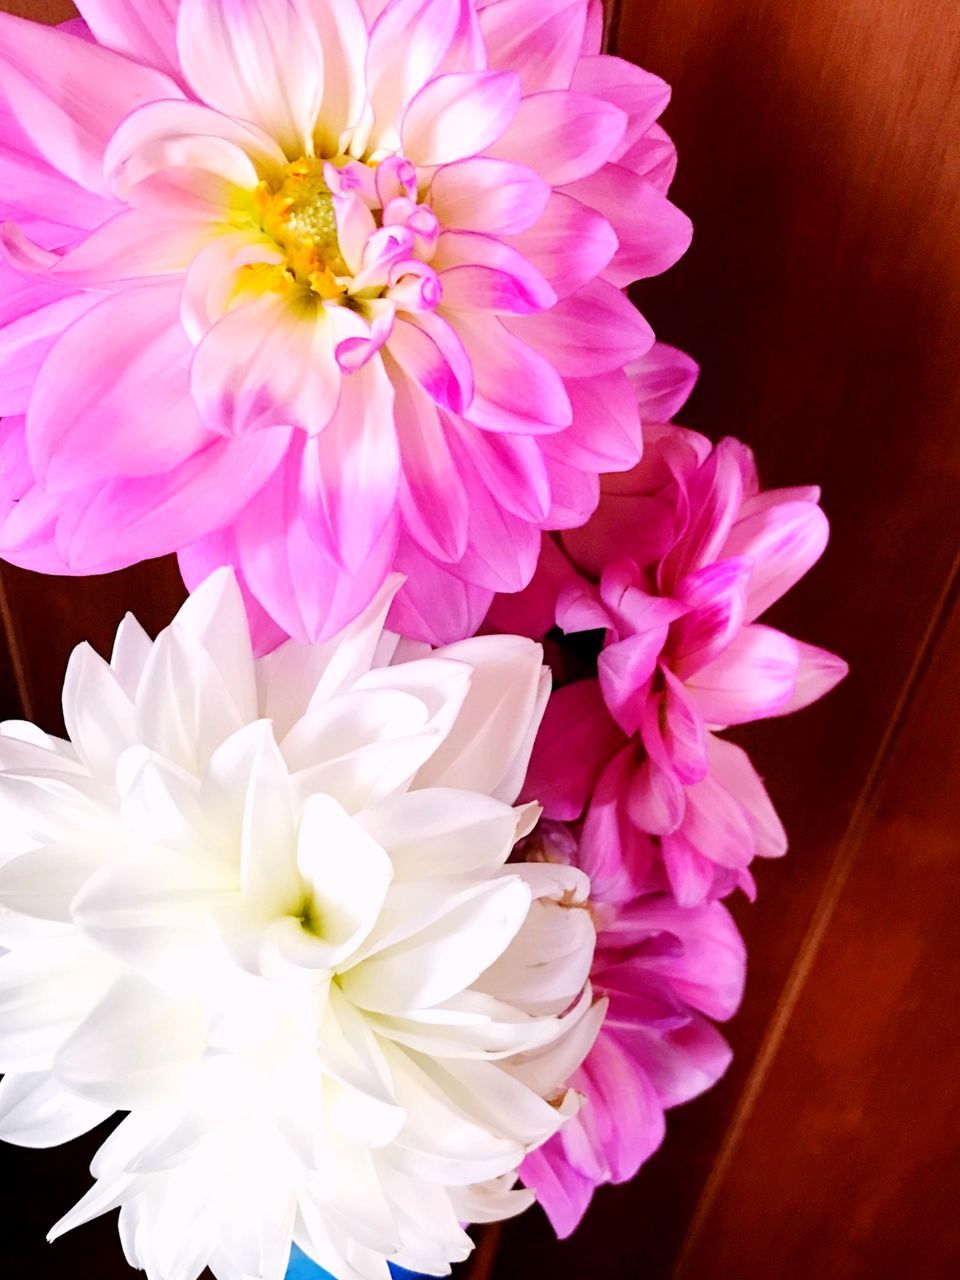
40	10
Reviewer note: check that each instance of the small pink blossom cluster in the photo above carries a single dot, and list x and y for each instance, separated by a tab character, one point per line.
649	617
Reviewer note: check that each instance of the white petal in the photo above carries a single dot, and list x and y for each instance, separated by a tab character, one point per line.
439	1141
100	1199
45	881
444	958
97	712
544	969
148	908
214	614
442	832
35	1111
346	872
296	677
268	868
556	1063
131	649
489	746
46	989
133	1047
258	60
184	710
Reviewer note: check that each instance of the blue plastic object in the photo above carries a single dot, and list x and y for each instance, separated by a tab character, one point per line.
301	1268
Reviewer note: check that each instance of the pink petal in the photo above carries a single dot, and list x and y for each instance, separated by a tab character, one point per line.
215	276
501	552
714	494
563	136
623	1106
563	1193
574	494
576	741
513	469
673	731
32	189
784	539
818	673
515	387
458	115
715	597
595	330
685	1063
692	876
707	970
285	570
570	244
717	825
653	157
540	39
432	355
730	766
432	497
480	273
652	233
132	247
143	29
605	434
753	677
69	95
656	800
257	60
26	341
644	528
433	604
662	381
579	607
349	480
483	194
89	419
342	31
268	363
593	33
613	853
532	611
408	42
623	588
126	521
640	95
625	669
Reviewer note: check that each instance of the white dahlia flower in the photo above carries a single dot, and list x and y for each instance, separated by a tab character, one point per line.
264	907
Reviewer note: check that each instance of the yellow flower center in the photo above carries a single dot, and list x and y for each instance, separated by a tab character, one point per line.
300	217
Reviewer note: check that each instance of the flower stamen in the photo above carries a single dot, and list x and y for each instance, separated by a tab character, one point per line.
299	215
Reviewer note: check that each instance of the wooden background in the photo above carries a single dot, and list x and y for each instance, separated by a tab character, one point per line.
820	157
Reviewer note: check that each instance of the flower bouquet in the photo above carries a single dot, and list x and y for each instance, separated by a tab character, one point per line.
381	894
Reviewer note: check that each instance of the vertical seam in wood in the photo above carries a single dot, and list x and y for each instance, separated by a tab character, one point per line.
15	651
813	938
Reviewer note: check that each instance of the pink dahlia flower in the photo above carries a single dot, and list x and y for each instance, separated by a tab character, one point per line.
663	972
320	289
683	555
